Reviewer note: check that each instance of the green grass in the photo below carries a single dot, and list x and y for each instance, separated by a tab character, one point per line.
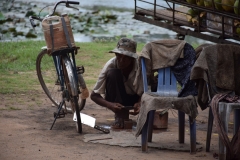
10	108
18	68
19	56
13	108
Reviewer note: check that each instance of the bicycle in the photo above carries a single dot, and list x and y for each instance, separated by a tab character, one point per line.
68	86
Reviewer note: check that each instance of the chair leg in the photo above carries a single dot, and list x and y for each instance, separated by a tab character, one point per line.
150	125
236	120
223	113
209	129
145	135
181	126
192	135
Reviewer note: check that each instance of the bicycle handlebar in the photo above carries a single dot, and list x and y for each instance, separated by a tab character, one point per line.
73	2
67	5
32	18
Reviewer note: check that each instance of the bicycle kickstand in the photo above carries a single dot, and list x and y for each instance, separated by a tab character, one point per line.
56	115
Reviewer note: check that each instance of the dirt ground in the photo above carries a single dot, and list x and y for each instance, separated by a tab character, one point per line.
25	120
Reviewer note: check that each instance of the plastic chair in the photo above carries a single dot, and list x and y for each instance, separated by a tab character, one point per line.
206	78
167	87
225	110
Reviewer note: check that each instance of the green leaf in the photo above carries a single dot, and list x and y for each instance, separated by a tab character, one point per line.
2	18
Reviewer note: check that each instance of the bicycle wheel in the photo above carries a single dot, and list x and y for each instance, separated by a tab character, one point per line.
72	88
48	78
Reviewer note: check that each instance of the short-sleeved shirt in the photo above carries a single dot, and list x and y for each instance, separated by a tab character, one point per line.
100	86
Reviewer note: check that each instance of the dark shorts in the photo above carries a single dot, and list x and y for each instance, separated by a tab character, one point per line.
115	91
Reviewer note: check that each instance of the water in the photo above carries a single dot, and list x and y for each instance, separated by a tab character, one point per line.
128	4
125	25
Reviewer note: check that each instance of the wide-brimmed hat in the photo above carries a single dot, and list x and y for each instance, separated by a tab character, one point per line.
126	47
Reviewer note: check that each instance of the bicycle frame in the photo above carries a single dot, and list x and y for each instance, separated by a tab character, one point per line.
58	59
66	57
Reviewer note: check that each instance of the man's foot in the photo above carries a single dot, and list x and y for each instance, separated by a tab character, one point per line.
118	124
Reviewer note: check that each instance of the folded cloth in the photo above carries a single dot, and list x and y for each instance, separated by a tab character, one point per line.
228	64
218	66
150	102
163	53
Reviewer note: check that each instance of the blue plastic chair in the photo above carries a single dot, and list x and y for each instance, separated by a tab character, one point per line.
167	87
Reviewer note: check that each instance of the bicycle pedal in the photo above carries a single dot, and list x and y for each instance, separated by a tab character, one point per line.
60	115
80	70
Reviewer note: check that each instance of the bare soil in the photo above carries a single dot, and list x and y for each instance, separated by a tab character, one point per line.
25	121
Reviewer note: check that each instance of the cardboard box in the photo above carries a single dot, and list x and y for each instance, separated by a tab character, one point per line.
160	120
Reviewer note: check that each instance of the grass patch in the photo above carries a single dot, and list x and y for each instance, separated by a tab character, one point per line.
19	56
18	63
18	82
14	108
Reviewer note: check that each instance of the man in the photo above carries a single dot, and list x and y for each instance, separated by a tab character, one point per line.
116	82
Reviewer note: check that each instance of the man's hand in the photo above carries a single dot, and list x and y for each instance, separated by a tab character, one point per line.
97	98
115	107
136	109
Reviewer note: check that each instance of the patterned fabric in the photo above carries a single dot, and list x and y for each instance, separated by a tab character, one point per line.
182	70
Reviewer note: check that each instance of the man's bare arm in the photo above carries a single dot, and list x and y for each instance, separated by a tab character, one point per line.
136	107
97	98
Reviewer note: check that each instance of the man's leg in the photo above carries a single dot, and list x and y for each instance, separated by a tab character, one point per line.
115	92
115	89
